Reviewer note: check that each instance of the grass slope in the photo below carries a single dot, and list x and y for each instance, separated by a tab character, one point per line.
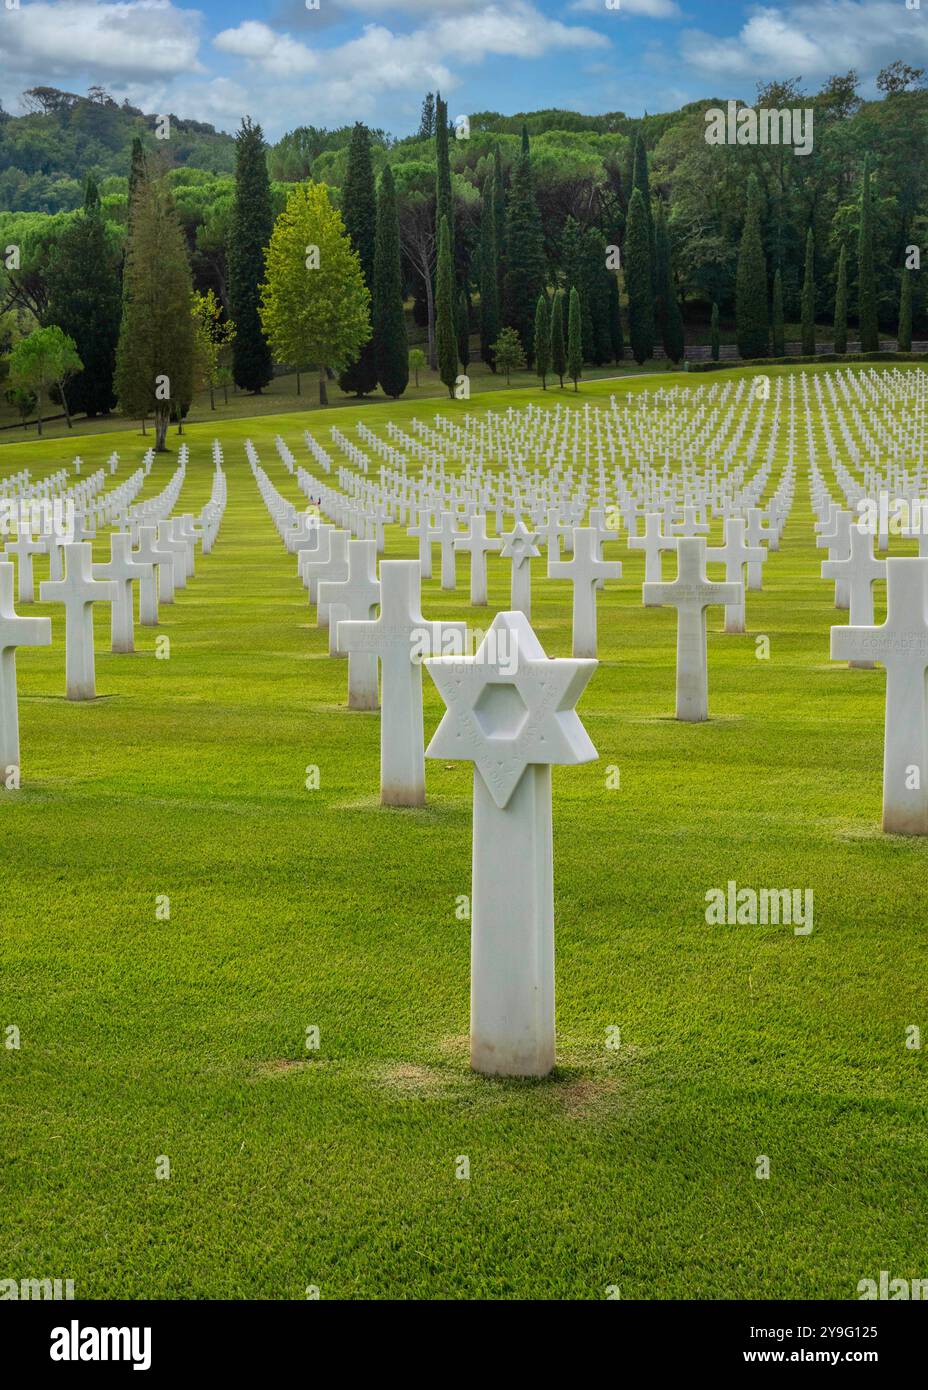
292	908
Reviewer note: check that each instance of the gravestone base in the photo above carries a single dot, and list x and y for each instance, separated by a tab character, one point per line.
512	930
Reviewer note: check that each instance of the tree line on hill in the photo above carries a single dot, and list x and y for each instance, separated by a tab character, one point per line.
551	250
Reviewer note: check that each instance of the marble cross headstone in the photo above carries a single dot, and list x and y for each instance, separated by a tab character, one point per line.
24	547
513	720
399	637
423	532
350	599
901	645
476	543
691	593
858	571
124	570
14	632
734	555
79	591
158	564
583	569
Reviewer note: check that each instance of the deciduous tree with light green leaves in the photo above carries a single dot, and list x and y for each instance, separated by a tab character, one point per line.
509	353
48	357
315	306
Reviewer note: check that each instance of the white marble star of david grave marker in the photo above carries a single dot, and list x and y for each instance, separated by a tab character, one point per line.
520	548
513	720
901	645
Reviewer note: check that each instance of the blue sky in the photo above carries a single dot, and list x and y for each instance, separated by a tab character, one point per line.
373	60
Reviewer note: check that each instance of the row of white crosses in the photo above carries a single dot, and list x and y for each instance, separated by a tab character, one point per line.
79	587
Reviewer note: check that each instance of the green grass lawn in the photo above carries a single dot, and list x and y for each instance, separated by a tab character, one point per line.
292	908
285	394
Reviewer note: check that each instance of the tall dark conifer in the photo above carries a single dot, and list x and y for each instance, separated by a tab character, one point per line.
671	319
558	352
638	280
866	275
252	222
85	301
359	213
391	347
840	330
525	255
489	281
445	335
808	298
751	318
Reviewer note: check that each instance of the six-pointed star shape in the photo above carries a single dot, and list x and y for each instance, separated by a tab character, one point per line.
549	688
520	544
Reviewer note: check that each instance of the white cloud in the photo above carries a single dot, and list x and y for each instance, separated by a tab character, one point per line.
647	9
129	40
277	54
813	38
348	78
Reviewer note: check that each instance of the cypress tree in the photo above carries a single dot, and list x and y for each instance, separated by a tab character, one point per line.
489	278
138	169
542	340
463	327
641	180
714	343
85	301
444	206
359	214
751	282
558	355
391	348
489	273
840	333
778	326
671	317
525	267
904	343
616	336
638	280
252	222
808	298
869	328
499	209
574	350
446	345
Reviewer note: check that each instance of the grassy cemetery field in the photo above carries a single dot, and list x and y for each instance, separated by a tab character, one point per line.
181	910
